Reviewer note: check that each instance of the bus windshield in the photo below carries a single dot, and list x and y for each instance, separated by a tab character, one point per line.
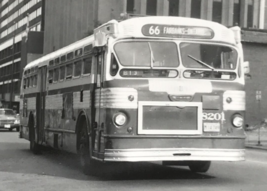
147	54
196	55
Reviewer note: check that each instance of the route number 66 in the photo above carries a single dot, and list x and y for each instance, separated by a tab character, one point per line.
154	30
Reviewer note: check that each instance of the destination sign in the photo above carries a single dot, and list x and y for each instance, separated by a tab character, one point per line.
175	31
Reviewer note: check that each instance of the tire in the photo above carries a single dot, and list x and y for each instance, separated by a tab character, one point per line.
10	129
34	147
17	129
88	165
200	166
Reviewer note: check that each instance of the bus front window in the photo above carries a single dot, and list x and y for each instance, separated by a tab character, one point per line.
147	54
208	61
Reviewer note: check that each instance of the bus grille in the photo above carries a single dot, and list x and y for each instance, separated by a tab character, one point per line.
176	118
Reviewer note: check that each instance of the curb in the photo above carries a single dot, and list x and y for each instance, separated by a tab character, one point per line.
256	147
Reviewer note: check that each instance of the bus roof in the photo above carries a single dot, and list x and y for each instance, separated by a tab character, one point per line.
140	27
70	48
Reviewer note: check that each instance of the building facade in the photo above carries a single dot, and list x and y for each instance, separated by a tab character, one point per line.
31	28
15	17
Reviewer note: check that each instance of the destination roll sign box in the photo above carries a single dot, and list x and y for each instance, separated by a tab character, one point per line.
175	31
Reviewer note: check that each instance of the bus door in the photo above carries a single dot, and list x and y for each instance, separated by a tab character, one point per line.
99	58
40	103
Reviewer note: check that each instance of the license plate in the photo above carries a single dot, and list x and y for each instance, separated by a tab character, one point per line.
7	125
211	127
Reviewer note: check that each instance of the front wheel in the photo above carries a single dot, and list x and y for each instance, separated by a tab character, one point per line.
87	164
199	166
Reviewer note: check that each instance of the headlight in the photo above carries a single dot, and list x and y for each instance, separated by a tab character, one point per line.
238	120
120	119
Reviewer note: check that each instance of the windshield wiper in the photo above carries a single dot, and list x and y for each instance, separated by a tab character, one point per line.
152	61
202	63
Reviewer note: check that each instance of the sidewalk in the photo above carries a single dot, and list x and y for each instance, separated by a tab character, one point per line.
255	137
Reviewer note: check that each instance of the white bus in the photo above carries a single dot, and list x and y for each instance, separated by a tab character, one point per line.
167	89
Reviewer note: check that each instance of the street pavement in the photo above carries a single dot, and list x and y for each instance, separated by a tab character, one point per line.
20	170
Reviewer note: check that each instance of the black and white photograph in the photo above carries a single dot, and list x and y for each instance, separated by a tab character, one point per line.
133	95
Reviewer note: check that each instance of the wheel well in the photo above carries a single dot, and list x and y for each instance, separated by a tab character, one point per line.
81	119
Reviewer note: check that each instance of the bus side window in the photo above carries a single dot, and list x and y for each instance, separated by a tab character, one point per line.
34	80
62	73
27	82
88	49
77	68
55	76
114	66
69	71
70	56
31	80
50	76
24	83
87	64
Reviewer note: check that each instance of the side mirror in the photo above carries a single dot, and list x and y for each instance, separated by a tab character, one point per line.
246	70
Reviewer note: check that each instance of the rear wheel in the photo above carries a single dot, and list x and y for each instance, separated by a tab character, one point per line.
34	147
87	164
199	166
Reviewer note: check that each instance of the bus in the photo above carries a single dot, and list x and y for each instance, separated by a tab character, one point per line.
145	89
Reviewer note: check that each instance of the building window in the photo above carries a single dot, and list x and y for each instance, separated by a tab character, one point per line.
174	7
250	14
195	8
236	14
38	27
130	6
16	87
217	11
151	7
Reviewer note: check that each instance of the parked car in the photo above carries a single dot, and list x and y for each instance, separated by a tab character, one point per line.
9	119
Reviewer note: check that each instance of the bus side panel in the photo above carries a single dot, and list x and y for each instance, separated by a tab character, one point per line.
29	108
62	112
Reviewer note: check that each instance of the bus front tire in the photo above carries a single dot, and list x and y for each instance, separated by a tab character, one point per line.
87	164
199	166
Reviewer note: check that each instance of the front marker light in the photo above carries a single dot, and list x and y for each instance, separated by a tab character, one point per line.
238	120
120	119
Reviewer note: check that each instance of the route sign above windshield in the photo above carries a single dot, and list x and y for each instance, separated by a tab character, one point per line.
176	31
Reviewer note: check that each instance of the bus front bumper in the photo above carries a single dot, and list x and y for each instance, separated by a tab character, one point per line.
183	154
